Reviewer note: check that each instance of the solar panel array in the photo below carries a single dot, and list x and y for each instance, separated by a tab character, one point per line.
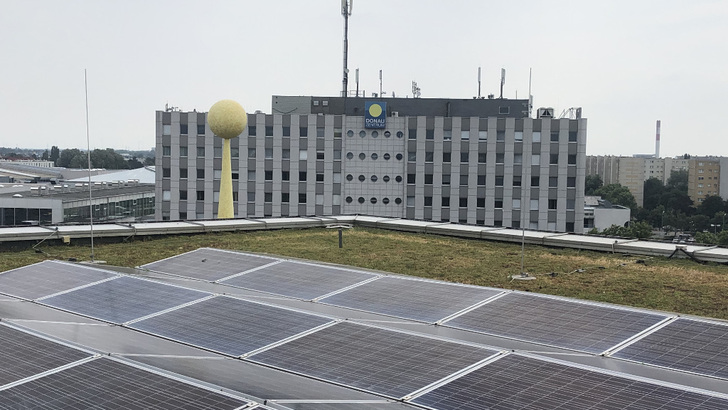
123	299
229	326
208	264
48	277
411	299
40	373
684	344
586	327
518	382
299	280
373	359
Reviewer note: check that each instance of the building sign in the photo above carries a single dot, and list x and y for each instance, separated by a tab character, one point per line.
375	115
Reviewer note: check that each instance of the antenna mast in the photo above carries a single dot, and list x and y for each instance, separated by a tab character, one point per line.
478	82
503	81
346	6
530	96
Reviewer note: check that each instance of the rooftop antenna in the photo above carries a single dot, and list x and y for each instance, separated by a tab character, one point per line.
530	96
88	155
381	94
346	6
415	90
478	82
503	81
357	82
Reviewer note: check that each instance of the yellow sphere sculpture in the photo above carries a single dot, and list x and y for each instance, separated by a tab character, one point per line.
227	119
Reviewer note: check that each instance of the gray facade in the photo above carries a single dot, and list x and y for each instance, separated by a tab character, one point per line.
492	170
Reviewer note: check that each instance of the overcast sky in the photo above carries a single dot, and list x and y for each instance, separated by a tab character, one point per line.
627	63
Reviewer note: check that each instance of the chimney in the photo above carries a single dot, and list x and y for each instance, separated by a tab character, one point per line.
657	140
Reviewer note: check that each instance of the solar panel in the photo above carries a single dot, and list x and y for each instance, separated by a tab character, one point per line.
411	299
349	406
123	299
107	384
48	277
228	325
517	382
23	355
579	326
298	280
372	359
208	264
684	344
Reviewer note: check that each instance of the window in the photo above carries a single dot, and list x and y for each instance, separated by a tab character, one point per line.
285	176
481	157
286	131
430	134
535	159
534	181
320	132
504	110
498	204
412	156
234	152
499	180
386	156
337	135
553	182
480	203
464	157
463	180
428	201
572	136
571	182
302	176
384	178
483	135
268	197
200	151
269	153
446	156
410	201
447	135
251	175
554	136
183	151
534	204
428	179
268	175
412	134
552	204
301	198
166	150
319	177
303	155
166	172
286	153
361	200
516	180
183	195
554	159
183	129
303	131
200	195
463	202
268	131
166	129
217	152
516	204
410	178
166	195
362	178
251	196
399	157
235	175
398	178
374	156
446	179
251	152
570	203
374	178
536	136
481	180
500	135
285	197
429	156
319	199
518	135
319	155
517	158
252	130
572	159
464	135
500	158
445	201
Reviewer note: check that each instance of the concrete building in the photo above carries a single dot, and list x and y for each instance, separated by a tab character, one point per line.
602	214
606	166
703	178
632	176
479	161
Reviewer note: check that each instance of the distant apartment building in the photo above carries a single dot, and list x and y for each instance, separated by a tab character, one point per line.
474	161
703	178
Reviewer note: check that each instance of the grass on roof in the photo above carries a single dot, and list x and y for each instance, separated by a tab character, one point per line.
674	285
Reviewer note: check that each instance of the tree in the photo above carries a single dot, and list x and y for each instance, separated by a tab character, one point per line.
617	194
71	158
55	154
44	157
678	180
134	163
592	183
149	161
711	205
108	158
653	190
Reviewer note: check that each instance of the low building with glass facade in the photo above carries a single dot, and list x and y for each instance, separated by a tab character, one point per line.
479	161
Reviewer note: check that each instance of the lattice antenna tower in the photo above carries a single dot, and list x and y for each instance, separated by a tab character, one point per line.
346	6
415	90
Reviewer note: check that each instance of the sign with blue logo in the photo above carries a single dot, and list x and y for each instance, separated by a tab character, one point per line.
375	115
